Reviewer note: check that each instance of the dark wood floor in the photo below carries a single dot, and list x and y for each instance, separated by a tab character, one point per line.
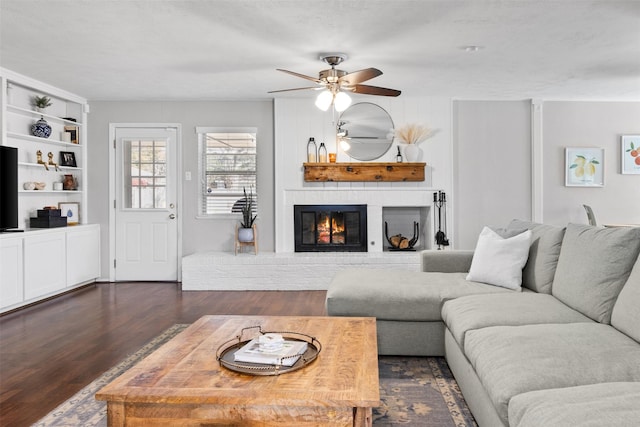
51	350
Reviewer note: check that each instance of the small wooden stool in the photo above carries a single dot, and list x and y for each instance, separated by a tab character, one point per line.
239	244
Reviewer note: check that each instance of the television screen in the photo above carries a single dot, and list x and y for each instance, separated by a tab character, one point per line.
8	188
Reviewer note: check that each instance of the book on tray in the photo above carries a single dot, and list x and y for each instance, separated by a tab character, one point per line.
252	352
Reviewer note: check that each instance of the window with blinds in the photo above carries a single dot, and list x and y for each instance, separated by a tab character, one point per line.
228	166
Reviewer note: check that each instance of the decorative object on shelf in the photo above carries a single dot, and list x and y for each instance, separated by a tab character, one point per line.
40	103
412	153
332	157
75	133
41	128
48	218
57	186
584	167
312	151
68	158
40	161
51	162
630	154
440	202
69	182
412	135
29	186
322	153
70	210
399	156
65	136
309	346
40	185
401	243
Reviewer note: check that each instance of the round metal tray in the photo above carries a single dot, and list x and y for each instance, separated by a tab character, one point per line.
225	354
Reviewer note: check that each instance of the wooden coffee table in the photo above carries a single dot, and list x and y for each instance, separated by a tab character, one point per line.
181	383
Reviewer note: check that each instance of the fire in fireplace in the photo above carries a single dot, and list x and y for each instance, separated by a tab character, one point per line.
330	228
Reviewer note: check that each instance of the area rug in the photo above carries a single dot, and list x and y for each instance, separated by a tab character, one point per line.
415	391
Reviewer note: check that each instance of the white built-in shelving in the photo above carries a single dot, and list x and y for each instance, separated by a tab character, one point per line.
42	262
18	115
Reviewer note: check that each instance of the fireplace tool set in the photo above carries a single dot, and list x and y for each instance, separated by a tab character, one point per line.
440	202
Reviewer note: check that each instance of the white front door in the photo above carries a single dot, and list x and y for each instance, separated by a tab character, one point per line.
146	214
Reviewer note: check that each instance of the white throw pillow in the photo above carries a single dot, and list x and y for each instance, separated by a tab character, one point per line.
498	261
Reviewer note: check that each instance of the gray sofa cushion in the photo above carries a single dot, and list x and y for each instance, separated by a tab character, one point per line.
397	294
626	311
593	266
597	405
540	268
480	311
510	360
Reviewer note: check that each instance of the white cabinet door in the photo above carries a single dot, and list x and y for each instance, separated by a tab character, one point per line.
44	264
83	254
11	284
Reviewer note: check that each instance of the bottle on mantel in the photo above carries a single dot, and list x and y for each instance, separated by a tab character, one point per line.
399	156
322	153
312	153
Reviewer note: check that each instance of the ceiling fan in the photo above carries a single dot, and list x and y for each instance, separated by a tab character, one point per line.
337	82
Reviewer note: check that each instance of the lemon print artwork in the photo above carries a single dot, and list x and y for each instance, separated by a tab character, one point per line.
584	169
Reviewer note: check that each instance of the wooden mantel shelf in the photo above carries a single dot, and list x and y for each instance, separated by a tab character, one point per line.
358	172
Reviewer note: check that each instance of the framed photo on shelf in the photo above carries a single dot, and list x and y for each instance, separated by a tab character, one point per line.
630	154
68	158
75	133
584	167
71	210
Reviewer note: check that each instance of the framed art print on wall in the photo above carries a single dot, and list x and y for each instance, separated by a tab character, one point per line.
584	167
630	154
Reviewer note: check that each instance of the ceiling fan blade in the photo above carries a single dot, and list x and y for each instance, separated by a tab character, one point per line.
298	88
360	76
313	79
374	90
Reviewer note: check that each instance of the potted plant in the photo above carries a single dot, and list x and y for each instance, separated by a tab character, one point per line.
245	232
41	103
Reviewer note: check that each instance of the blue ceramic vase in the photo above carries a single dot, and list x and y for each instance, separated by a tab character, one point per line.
41	128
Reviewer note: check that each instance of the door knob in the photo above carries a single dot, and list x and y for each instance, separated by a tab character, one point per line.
172	216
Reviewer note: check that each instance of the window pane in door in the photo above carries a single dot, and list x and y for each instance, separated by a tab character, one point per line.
145	170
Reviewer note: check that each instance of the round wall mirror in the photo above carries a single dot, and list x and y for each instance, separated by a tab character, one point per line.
365	131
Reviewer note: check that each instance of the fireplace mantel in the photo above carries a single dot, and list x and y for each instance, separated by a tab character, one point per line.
363	172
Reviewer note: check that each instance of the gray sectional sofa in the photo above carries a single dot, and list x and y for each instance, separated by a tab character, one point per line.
562	351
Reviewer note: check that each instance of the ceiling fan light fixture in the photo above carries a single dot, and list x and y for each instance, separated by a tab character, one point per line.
324	100
341	101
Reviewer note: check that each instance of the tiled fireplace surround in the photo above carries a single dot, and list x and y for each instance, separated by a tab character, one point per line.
288	270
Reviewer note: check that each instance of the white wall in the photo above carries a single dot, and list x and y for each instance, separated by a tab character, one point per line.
492	166
589	124
481	157
197	234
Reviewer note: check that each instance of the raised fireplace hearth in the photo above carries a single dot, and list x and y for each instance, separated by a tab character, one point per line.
330	228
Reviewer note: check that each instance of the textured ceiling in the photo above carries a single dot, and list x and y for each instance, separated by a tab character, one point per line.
229	49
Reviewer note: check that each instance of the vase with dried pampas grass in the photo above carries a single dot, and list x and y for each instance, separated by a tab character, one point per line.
412	135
